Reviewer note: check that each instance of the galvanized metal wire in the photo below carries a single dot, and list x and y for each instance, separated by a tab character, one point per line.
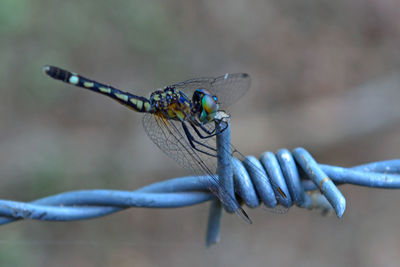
306	184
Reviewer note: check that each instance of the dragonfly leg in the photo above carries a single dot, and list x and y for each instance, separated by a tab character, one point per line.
217	130
198	132
221	129
192	140
212	133
209	133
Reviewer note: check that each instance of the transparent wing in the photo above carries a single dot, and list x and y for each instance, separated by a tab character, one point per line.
228	88
169	136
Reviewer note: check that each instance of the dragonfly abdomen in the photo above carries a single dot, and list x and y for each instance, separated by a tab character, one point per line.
137	103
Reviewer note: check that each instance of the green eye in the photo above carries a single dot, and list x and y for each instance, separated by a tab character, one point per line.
209	104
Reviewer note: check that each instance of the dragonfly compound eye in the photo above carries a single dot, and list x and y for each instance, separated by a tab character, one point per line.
210	107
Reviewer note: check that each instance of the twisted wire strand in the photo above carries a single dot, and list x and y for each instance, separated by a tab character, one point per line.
296	173
305	183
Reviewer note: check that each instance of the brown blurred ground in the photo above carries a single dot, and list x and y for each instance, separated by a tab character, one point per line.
325	77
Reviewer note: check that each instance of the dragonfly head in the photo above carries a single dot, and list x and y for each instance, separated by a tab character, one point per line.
205	105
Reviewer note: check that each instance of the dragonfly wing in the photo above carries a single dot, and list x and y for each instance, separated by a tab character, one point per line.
169	136
228	88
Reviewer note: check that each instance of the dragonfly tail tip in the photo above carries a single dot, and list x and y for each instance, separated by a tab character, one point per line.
46	69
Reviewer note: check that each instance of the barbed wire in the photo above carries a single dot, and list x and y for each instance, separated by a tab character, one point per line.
306	184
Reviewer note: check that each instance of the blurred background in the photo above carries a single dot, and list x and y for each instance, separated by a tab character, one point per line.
325	76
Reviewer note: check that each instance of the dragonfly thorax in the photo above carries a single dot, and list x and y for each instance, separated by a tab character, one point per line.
172	103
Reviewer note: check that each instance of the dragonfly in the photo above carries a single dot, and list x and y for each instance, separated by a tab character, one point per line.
183	127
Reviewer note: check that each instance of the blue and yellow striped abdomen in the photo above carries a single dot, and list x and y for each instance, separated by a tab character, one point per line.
137	103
